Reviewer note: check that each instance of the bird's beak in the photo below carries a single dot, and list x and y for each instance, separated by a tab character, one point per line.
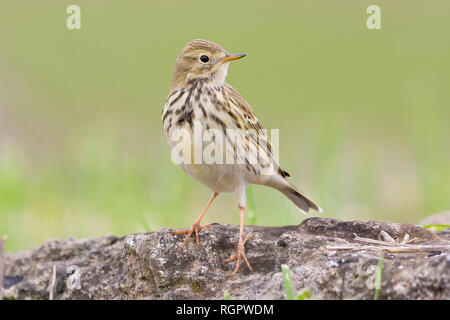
231	57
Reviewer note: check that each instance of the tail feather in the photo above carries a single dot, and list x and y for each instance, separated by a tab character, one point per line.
299	199
279	182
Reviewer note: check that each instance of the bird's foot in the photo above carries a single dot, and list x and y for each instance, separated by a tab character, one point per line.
195	228
239	256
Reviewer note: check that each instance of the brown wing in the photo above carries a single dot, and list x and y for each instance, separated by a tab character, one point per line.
244	118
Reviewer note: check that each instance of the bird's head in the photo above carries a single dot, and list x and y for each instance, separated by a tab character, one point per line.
202	59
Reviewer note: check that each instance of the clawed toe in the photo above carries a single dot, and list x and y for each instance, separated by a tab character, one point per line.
239	256
195	228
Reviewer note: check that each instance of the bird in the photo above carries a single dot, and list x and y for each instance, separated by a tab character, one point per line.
200	100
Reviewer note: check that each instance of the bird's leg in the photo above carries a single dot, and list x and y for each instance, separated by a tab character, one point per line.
196	226
240	250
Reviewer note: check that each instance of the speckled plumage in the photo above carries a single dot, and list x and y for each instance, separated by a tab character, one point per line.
199	98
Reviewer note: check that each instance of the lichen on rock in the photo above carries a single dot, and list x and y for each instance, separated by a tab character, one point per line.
328	257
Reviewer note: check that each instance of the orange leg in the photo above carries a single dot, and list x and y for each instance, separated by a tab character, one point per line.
240	250
195	228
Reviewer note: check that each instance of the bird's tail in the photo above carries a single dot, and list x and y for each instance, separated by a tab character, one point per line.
279	182
299	199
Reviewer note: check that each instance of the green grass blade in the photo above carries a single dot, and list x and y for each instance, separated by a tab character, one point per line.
145	224
436	227
251	212
287	282
378	276
304	295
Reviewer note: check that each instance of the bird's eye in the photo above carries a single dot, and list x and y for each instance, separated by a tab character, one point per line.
204	59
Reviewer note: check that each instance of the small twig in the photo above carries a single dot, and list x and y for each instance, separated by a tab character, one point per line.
391	249
409	241
2	264
391	245
372	241
52	285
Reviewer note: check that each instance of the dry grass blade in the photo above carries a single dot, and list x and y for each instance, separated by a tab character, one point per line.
389	246
372	241
387	237
51	289
398	249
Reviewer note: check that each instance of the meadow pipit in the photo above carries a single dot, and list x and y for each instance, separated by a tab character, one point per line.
201	101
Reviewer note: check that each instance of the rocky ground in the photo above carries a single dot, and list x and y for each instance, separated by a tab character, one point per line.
332	259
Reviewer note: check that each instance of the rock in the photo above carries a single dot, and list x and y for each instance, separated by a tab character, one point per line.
438	218
151	266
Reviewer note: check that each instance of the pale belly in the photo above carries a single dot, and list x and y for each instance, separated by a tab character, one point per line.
220	177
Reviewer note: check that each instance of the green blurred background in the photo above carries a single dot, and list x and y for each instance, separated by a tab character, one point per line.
363	115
